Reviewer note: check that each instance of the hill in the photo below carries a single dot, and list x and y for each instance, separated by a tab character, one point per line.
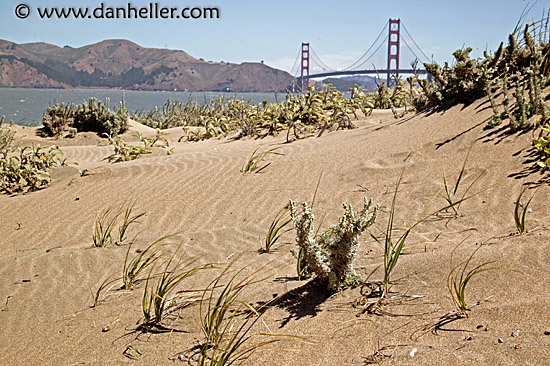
121	64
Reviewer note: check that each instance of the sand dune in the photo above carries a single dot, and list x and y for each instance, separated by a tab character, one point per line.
49	269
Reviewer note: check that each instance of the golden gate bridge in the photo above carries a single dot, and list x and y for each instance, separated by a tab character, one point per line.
311	66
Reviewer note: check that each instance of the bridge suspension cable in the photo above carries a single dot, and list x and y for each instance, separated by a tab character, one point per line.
295	69
362	65
358	62
319	62
427	59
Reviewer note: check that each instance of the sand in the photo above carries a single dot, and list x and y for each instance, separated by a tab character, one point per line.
48	269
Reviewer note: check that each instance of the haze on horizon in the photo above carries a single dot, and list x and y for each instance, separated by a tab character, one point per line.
254	31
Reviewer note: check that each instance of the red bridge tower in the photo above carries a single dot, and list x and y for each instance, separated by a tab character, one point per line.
304	75
393	51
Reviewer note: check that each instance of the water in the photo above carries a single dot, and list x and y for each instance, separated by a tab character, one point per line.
26	106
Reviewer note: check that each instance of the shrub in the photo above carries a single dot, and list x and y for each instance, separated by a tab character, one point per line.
25	168
6	138
330	255
125	151
58	119
89	116
313	111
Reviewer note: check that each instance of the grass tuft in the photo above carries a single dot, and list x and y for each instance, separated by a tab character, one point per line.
255	163
145	258
450	194
460	276
227	321
276	230
104	225
520	210
392	250
127	220
156	301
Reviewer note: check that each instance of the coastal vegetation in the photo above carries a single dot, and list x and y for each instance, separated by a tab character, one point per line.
314	111
513	79
89	116
330	255
25	168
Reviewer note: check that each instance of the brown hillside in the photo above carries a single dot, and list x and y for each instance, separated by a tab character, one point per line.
124	64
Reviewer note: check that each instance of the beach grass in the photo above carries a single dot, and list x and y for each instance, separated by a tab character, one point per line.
255	162
520	210
276	229
227	321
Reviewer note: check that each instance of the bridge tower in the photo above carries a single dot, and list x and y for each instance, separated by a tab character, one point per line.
393	50
304	74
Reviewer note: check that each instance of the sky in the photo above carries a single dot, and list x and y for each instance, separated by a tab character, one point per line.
272	31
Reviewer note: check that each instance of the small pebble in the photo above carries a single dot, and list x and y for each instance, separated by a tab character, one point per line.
106	329
500	340
482	327
515	333
547	332
469	338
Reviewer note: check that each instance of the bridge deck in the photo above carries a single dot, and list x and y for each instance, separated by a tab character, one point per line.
362	72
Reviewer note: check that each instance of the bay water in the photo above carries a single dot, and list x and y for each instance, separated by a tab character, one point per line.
25	106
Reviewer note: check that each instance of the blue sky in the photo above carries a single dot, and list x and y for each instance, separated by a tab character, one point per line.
272	31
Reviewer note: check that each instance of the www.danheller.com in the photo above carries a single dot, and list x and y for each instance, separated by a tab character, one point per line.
126	11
